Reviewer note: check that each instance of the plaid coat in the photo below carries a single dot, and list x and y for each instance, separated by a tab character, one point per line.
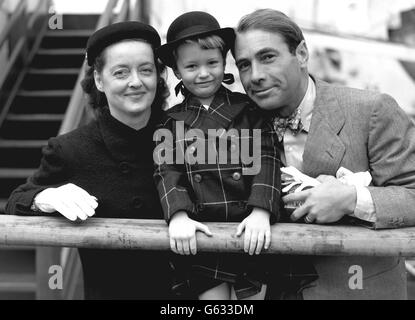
219	192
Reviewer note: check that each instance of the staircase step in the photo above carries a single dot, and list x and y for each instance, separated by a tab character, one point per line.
25	103
80	21
11	178
18	261
35	117
18	296
16	248
62	52
22	144
18	271
54	71
59	58
17	282
21	153
71	33
50	79
66	39
13	173
46	93
24	129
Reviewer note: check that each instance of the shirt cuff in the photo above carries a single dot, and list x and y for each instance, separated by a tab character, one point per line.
365	208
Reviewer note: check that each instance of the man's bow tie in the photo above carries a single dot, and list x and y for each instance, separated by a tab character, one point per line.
293	122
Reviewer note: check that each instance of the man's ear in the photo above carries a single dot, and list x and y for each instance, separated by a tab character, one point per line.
302	54
98	81
177	74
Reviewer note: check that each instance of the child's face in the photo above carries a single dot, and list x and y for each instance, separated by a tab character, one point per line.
201	70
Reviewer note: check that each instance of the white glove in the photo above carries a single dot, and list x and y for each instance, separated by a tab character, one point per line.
293	177
69	200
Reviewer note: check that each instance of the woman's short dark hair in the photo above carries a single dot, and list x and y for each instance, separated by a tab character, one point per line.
97	100
273	21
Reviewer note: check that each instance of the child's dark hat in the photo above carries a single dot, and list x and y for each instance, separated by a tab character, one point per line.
117	32
194	24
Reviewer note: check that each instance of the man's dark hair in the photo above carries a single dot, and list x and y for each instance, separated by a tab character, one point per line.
273	21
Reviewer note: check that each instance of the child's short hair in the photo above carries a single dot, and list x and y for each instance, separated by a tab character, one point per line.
206	43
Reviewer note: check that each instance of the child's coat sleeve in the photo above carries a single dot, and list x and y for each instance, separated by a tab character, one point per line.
171	179
266	185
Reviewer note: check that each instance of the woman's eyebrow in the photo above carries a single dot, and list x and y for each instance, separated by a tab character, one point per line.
124	65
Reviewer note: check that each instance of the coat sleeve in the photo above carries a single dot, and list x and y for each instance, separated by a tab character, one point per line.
51	173
266	185
391	148
170	176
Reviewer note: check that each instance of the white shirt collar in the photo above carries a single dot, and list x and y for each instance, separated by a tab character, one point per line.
307	104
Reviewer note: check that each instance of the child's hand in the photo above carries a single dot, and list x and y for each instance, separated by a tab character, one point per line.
257	231
182	231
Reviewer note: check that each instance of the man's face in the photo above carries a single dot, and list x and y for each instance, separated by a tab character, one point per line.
273	77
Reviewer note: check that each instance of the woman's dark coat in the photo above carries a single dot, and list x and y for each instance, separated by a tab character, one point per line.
114	163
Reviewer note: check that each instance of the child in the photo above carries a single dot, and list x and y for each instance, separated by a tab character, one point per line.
216	192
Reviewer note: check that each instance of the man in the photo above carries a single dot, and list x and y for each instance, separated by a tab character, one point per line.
340	127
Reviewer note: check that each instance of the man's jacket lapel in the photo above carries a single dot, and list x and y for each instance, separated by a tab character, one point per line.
324	149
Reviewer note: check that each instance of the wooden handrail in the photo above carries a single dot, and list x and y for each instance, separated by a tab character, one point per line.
293	239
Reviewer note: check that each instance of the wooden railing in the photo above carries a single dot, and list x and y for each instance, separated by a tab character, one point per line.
293	239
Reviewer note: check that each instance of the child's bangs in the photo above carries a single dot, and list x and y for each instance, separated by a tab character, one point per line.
210	42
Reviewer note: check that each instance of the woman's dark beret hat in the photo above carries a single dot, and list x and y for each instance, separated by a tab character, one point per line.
117	32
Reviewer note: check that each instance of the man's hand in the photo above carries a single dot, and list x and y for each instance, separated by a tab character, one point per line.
326	203
257	231
69	200
182	232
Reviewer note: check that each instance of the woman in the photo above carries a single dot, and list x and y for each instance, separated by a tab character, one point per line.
105	168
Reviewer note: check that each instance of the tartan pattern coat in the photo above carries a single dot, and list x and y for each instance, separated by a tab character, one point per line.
219	192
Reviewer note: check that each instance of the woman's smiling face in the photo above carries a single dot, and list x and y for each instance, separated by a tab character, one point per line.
128	78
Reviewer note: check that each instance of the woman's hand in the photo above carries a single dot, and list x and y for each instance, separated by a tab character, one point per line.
182	232
69	200
257	231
